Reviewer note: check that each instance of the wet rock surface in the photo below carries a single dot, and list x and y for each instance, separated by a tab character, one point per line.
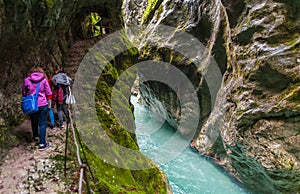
253	129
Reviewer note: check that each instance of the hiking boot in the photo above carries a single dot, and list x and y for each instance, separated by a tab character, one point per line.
44	146
35	140
53	127
63	126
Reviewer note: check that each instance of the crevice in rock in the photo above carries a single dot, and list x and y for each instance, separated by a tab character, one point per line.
270	79
234	10
274	116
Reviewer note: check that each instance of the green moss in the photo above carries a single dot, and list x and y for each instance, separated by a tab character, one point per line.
239	112
159	11
286	180
109	178
255	176
171	58
169	4
292	95
106	178
293	39
252	173
50	3
152	6
133	51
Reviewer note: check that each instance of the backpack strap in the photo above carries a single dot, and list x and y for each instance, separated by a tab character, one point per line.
37	90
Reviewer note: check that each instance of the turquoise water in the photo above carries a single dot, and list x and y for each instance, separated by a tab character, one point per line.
188	173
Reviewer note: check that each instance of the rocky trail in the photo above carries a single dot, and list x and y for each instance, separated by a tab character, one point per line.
75	54
25	169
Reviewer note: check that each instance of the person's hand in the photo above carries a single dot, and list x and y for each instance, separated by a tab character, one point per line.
49	104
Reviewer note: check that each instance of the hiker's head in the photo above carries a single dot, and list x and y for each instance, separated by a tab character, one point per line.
58	69
62	70
37	69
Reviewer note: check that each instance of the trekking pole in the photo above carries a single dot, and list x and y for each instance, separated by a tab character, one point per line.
66	148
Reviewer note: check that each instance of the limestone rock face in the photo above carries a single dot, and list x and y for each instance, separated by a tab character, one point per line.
253	127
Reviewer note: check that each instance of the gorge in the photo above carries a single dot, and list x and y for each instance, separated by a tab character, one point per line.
247	80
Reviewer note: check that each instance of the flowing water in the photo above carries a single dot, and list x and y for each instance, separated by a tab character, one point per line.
189	172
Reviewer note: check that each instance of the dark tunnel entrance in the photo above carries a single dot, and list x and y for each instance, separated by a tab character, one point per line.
92	22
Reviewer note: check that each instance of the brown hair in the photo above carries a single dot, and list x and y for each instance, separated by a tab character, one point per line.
38	69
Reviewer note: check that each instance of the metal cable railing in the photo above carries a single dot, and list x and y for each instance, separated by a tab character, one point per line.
82	166
78	156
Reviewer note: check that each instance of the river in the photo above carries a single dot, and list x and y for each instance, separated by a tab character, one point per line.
189	172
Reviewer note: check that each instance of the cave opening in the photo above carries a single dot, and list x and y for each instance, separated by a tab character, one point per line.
92	22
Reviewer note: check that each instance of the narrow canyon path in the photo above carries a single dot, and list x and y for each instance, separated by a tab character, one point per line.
25	169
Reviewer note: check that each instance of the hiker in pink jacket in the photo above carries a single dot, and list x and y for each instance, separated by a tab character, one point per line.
38	119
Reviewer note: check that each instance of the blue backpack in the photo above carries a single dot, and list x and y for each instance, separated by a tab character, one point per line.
30	102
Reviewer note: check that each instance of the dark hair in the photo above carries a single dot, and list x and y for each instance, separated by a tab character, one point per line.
59	69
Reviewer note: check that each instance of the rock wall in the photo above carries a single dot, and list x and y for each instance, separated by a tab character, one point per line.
40	32
261	111
253	128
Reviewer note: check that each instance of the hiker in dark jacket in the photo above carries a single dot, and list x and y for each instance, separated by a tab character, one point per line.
39	118
61	81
